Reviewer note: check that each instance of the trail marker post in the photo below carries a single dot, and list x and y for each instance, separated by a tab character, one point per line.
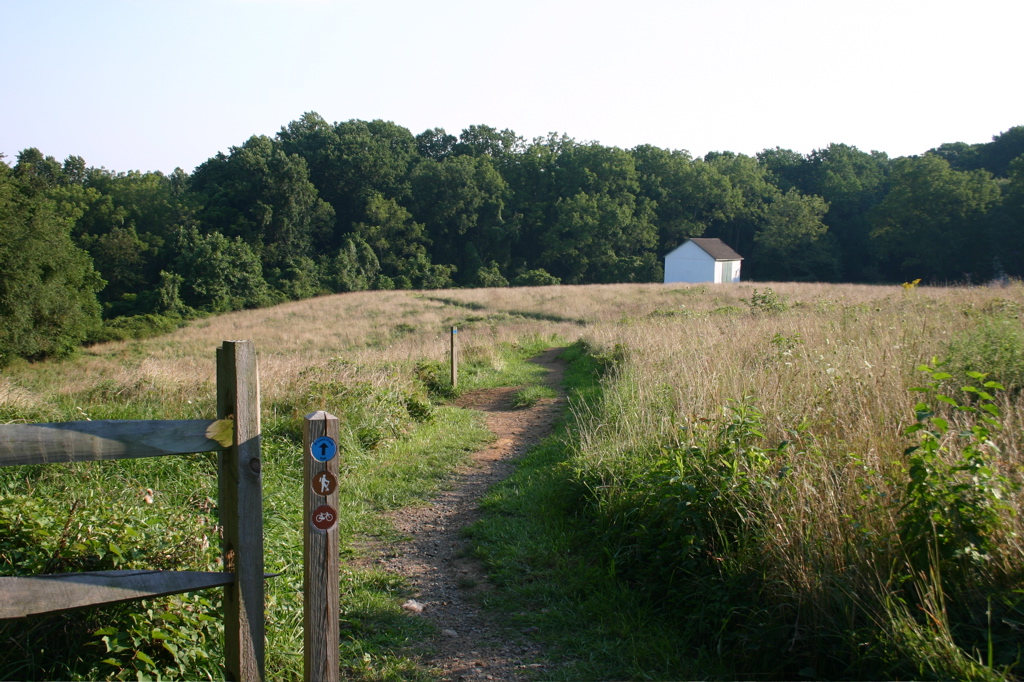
320	545
455	357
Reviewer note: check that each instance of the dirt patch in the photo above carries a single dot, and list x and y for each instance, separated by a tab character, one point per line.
471	644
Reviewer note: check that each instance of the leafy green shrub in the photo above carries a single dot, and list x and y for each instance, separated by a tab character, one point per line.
489	276
436	379
995	346
101	530
607	360
535	278
766	302
177	637
672	312
954	498
419	407
135	327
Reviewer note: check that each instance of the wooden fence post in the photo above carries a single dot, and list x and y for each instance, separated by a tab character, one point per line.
455	357
241	512
320	545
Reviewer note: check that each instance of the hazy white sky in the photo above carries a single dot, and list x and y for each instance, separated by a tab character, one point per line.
154	84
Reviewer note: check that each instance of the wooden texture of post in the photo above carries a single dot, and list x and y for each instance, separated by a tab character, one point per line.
320	545
241	512
455	357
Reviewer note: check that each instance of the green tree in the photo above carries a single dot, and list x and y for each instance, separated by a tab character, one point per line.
789	245
126	222
435	144
351	161
533	193
852	182
997	155
960	155
1007	224
217	274
931	223
461	201
603	229
120	256
787	167
580	213
48	286
263	196
353	268
37	172
690	196
395	238
741	201
482	140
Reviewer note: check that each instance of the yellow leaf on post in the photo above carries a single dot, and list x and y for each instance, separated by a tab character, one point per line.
222	431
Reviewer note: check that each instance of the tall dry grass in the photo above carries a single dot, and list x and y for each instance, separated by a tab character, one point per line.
378	337
831	375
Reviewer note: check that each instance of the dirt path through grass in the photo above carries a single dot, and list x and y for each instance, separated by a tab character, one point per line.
449	584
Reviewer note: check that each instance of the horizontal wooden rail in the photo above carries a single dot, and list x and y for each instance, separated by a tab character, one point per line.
29	595
89	441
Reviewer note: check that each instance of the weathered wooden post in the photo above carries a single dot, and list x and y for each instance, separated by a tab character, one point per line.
241	511
320	544
455	357
235	434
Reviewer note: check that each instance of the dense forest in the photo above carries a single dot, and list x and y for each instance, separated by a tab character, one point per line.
88	254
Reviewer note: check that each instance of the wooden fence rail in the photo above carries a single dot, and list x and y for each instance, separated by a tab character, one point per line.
235	435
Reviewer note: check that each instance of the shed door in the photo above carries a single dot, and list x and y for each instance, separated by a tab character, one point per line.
727	271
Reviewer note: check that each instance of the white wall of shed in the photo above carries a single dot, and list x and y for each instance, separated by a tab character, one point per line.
690	263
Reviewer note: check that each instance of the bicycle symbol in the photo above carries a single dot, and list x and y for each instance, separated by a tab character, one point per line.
323	517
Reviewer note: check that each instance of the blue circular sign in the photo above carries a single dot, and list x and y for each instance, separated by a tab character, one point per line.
323	449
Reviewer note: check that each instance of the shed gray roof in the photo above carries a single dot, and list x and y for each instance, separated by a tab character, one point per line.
716	248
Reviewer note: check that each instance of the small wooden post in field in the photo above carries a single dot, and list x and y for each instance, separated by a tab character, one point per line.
455	357
320	545
241	511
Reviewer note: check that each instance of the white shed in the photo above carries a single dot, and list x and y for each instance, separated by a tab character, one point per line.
703	260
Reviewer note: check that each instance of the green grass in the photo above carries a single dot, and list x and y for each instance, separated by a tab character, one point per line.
539	553
94	516
407	471
531	395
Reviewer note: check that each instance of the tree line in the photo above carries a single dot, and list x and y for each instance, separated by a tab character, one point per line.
88	254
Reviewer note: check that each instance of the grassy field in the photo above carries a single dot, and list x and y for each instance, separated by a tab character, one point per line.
748	483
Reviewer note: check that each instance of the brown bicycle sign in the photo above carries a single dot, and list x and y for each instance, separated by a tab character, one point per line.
324	517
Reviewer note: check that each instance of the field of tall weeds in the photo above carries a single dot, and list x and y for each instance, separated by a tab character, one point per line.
818	480
794	472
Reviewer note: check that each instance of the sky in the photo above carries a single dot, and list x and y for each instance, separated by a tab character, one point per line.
158	84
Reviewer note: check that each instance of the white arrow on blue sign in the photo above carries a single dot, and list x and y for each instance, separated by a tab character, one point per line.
323	449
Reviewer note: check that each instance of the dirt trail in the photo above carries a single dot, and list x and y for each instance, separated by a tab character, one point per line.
448	582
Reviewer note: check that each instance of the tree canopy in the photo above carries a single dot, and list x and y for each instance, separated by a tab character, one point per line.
331	207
